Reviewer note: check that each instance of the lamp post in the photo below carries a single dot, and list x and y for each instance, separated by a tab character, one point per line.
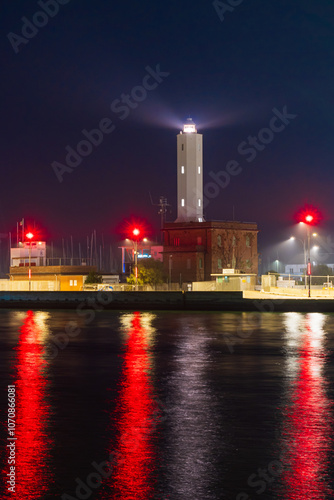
136	233
170	271
303	242
308	220
30	237
309	258
305	264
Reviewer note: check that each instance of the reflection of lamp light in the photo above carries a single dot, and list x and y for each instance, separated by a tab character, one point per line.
307	414
33	410
136	416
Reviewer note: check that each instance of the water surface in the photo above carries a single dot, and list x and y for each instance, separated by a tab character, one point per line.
169	405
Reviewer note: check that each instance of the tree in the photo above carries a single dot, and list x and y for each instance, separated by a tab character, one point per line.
150	272
321	270
232	250
93	278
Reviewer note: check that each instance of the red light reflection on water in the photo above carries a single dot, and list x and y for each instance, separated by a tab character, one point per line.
32	474
132	476
308	422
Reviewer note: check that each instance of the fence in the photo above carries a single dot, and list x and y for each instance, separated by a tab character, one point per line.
297	285
23	286
125	287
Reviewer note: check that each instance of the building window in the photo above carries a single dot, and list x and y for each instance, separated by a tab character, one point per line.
71	282
291	270
182	147
182	169
199	170
75	283
199	240
248	264
176	242
182	202
219	240
247	241
219	264
200	263
234	241
302	270
199	202
188	264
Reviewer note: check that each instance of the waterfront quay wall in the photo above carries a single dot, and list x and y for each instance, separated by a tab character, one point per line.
183	301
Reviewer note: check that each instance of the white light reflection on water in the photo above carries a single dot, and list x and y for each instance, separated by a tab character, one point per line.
193	439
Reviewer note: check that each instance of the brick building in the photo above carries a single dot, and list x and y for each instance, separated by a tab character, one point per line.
195	250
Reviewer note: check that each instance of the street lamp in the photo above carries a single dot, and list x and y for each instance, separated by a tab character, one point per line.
30	237
308	220
303	242
136	234
304	247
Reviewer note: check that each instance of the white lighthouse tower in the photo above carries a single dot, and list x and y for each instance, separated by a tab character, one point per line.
189	174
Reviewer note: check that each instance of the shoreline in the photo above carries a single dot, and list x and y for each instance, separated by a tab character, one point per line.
171	301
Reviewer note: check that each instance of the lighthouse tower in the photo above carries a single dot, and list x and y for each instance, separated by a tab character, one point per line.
189	174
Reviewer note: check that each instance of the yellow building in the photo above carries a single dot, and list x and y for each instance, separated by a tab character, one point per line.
50	278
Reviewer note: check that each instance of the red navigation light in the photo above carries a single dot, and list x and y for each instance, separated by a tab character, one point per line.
136	232
309	215
29	236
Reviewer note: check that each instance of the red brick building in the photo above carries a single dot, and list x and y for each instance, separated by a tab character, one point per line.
195	250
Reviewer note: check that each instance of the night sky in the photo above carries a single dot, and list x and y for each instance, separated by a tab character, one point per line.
227	70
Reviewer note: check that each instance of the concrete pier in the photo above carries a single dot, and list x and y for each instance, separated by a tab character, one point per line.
182	301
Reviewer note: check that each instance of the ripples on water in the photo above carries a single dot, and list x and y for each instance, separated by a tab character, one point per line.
139	406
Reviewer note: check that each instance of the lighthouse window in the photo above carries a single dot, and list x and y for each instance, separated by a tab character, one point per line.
199	202
182	202
182	169
199	170
182	147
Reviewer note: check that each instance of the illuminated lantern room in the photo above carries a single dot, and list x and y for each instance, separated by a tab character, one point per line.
189	127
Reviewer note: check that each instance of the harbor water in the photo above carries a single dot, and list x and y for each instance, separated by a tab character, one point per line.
166	405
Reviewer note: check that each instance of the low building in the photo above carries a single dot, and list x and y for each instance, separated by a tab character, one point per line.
194	251
61	278
29	251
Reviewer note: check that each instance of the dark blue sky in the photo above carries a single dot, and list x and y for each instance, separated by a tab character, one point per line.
228	75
